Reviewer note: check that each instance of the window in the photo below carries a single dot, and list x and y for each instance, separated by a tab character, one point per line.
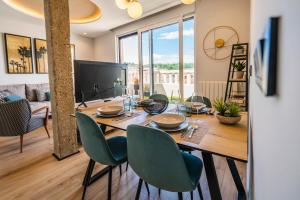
188	57
129	54
160	54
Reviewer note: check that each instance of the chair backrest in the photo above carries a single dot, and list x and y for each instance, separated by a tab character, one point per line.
156	158
201	99
93	140
163	99
14	117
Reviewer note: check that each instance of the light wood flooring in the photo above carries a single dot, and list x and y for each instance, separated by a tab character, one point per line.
36	174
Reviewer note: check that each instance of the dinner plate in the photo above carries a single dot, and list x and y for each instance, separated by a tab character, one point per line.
98	114
168	120
200	111
110	110
182	126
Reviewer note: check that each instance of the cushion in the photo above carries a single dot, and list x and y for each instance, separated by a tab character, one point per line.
48	96
41	95
4	94
31	90
118	148
12	98
18	89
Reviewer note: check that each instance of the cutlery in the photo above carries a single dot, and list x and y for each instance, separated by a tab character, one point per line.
186	131
194	127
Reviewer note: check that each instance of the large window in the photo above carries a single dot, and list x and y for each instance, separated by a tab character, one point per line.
129	54
166	55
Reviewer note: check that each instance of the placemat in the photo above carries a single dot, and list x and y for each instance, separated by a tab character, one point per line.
125	117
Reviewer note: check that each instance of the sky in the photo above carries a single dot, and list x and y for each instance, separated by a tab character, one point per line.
165	45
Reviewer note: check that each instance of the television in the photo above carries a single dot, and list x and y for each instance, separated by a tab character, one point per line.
98	80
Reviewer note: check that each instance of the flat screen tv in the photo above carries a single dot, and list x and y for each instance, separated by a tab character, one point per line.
98	80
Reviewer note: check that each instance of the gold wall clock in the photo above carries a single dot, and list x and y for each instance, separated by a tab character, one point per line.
217	43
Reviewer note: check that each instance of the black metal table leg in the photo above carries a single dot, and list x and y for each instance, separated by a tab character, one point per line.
211	176
237	179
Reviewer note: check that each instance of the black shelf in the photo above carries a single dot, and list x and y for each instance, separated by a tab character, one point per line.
243	94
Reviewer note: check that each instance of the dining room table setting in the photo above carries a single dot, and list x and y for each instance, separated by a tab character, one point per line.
192	125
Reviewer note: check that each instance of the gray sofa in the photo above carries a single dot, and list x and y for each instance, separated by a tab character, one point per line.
28	91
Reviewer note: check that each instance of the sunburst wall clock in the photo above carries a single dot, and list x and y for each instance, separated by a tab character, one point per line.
217	43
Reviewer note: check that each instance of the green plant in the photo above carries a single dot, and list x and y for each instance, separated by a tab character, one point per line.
233	110
220	106
227	109
239	66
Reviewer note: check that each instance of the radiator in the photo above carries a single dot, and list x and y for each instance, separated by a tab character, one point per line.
212	89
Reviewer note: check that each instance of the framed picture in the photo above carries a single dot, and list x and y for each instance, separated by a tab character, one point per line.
41	56
18	51
265	58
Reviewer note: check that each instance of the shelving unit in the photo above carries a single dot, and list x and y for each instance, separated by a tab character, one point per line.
237	89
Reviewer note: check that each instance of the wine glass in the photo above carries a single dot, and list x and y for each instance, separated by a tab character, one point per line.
176	99
196	101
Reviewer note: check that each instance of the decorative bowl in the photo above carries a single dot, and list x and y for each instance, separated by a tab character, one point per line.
110	110
168	120
228	120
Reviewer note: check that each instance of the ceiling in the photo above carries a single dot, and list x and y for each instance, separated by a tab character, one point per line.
112	16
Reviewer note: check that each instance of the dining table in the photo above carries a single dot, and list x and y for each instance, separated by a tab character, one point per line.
210	138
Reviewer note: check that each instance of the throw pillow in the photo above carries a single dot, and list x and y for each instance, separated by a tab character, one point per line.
41	95
3	94
48	97
12	98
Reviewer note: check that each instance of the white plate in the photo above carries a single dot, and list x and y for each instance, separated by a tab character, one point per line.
110	110
168	120
182	126
98	114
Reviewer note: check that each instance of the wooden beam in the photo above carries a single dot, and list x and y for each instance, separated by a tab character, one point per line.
60	77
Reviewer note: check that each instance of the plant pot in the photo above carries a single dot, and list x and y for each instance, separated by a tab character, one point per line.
239	75
228	120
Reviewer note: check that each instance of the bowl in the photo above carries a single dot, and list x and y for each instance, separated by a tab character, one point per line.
110	110
228	120
168	120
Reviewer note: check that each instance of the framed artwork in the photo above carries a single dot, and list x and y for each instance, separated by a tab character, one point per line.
18	51
41	56
265	58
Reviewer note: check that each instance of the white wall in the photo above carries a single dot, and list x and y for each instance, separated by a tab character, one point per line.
84	48
105	48
212	13
276	132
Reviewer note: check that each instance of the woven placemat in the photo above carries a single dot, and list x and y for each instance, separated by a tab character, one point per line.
125	117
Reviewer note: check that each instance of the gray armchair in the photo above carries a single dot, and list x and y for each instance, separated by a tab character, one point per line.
17	119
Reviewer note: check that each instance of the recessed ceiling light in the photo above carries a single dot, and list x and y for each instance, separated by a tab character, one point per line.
84	33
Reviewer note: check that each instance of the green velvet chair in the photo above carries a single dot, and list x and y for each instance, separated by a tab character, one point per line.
111	152
157	160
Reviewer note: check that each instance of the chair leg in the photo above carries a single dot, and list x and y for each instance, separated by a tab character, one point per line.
126	165
180	197
120	167
47	131
109	183
159	191
192	195
87	176
147	187
200	191
137	196
21	143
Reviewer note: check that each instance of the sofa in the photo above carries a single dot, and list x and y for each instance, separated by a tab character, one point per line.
29	92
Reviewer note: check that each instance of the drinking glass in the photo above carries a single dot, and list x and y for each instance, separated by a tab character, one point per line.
176	99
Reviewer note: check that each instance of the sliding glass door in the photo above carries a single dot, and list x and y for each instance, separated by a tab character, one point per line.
165	41
129	54
161	58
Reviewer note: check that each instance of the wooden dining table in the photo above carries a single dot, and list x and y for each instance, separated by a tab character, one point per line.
211	138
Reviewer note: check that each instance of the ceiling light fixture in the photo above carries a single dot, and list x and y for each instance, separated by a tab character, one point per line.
134	7
188	1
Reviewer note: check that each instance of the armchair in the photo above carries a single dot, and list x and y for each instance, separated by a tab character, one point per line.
17	119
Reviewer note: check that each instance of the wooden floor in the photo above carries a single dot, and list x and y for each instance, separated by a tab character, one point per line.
36	174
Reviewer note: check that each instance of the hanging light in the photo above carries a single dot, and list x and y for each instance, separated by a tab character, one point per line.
122	4
188	1
135	9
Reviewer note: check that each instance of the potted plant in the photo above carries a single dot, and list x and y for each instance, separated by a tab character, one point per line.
239	66
239	50
228	113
